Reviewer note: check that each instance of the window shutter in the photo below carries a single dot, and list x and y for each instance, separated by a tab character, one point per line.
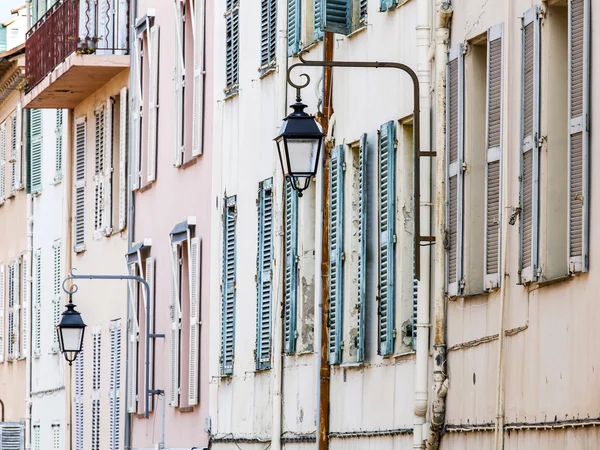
194	283
363	11
36	143
454	168
55	436
336	16
79	206
493	206
18	147
57	297
232	47
11	310
153	102
2	303
336	244
136	115
415	305
362	246
17	307
108	169
100	167
59	145
228	287
12	436
268	32
2	163
179	83
175	325
36	437
318	21
388	5
25	306
198	124
123	133
294	9
579	139
387	236
264	271
530	155
150	277
97	352
132	341
79	390
291	266
115	385
37	345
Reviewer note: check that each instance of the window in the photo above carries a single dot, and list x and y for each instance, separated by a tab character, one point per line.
232	47
79	204
37	302
14	276
78	399
264	257
35	148
16	158
2	163
56	436
115	384
2	300
268	34
59	145
337	16
96	370
56	299
228	286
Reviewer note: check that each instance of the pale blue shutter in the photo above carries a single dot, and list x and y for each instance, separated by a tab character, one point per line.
387	237
336	252
294	22
362	246
3	36
36	143
232	47
530	153
268	32
264	271
335	16
228	287
387	5
291	266
317	20
579	139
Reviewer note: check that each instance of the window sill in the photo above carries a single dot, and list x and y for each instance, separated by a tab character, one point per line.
232	91
400	4
80	250
309	47
548	282
359	30
185	409
267	69
352	365
405	355
189	163
146	187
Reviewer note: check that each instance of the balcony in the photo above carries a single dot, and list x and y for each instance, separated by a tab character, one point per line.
74	49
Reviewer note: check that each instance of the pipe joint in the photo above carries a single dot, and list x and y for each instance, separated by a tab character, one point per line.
445	14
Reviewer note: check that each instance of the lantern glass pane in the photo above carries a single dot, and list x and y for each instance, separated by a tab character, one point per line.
302	154
71	339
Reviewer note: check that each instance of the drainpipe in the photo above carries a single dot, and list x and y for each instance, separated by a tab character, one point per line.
423	301
440	378
27	279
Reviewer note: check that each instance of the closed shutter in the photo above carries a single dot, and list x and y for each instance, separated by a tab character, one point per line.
59	145
36	437
579	139
100	117
11	311
175	325
136	114
194	284
107	199
198	124
454	168
2	163
12	436
232	47
268	32
362	246
26	280
56	297
36	144
150	276
387	237
17	156
530	134
96	371
415	306
79	204
153	102
336	16
115	385
336	252
291	267
79	391
2	306
179	83
123	141
228	287
16	334
132	342
55	436
294	22
317	20
264	310
493	207
37	344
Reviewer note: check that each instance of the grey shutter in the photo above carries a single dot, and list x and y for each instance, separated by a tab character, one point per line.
79	203
17	149
115	386
268	32
335	16
232	47
294	9
579	139
107	200
26	280
454	167
387	237
387	5
362	246
79	391
317	20
264	310
36	437
336	252
291	266
493	206
12	436
56	436
228	287
36	143
59	145
530	154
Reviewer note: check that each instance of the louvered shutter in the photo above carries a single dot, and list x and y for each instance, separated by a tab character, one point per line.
232	48
362	246
335	15
198	124
493	208
579	139
132	341
115	386
79	391
17	148
56	298
150	276
37	344
36	143
317	20
363	11
123	141
2	306
59	145
175	325
294	10
96	371
415	306
153	102
387	237
55	436
455	168
100	117
36	437
108	168
387	5
228	287
79	204
136	115
179	83
291	266
26	280
264	271
2	163
11	311
336	252
530	154
17	312
12	436
194	284
268	32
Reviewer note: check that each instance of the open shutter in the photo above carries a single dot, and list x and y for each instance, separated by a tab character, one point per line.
136	115
123	133
78	399
232	47
37	344
579	139
336	16
179	82
2	163
493	208
387	236
362	246
36	143
175	325
17	308
79	204
100	117
153	102
294	9
108	168
150	276
18	148
530	153
268	32
228	287
455	168
132	341
198	124
115	385
11	311
194	284
59	145
26	280
264	285
317	20
96	371
387	5
336	245
56	298
291	266
2	306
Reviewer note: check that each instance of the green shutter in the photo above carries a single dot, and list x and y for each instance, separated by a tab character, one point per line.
35	143
228	288
264	257
294	22
387	5
336	260
291	266
335	16
387	236
317	21
362	245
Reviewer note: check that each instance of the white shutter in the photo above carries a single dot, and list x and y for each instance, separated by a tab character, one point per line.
2	306
115	386
123	134
55	436
132	342
57	271
96	372
25	306
11	311
12	436
59	144
108	168
19	148
78	399
194	256
136	112
150	276
175	326
36	437
153	100
99	171
36	141
2	163
198	124
17	308
79	203
37	344
179	83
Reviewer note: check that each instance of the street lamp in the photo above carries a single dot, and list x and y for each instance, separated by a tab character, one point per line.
70	332
299	144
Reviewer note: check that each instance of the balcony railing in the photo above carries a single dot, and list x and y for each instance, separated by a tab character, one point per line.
83	26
